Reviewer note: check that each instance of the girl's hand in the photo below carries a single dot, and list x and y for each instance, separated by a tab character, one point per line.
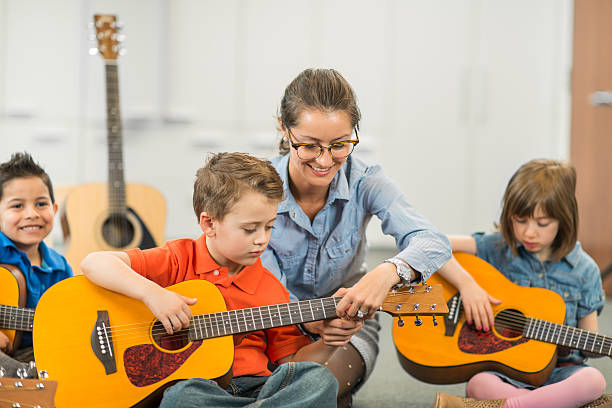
5	345
334	332
171	309
477	305
368	294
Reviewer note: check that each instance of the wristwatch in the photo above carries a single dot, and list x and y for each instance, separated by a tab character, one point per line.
404	271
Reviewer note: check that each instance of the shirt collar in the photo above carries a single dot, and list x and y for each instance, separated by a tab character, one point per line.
247	279
338	188
571	258
50	262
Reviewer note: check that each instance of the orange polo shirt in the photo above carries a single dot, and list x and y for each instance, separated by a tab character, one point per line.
186	259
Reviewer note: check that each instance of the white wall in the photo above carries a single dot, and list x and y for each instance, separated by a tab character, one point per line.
455	95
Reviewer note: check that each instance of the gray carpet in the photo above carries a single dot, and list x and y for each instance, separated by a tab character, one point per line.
391	386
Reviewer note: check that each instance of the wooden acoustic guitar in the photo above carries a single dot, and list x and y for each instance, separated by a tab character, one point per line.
523	343
108	350
16	392
14	317
112	216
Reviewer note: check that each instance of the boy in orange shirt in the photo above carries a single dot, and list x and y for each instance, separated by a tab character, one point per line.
235	198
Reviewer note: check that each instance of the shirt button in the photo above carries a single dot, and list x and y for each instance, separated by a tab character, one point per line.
566	294
541	275
216	272
293	214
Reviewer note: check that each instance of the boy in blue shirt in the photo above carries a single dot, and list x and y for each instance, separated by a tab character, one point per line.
27	212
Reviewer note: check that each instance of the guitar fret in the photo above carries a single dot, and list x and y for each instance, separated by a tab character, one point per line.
279	314
311	311
323	308
261	318
253	319
246	328
579	335
230	320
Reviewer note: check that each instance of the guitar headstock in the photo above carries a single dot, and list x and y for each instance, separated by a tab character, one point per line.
19	392
107	36
416	300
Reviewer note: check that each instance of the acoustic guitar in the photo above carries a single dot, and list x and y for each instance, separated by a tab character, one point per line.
14	317
108	350
522	344
112	216
16	392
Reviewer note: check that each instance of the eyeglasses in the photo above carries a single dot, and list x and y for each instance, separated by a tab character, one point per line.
337	150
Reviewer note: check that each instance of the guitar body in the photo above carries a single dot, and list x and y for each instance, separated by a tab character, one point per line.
65	338
453	352
86	215
12	293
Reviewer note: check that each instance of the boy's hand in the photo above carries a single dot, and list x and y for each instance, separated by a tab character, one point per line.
171	309
5	345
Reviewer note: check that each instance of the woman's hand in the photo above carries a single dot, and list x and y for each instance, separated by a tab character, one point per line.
477	305
334	332
5	344
368	294
171	309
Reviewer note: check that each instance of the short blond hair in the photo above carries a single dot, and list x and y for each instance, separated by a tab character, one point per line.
552	185
227	176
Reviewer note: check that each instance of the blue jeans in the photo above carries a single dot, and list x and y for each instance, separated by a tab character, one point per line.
302	384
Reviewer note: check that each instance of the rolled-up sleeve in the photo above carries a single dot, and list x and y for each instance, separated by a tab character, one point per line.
421	245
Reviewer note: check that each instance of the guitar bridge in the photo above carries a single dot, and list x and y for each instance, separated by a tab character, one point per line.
102	342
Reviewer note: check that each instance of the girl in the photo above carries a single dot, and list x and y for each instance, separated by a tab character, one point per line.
537	246
318	241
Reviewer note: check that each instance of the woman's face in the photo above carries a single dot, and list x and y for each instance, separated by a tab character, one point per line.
323	128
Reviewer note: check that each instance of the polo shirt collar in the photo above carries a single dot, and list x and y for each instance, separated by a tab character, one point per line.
247	279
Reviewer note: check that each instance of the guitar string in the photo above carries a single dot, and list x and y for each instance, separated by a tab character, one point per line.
518	322
233	319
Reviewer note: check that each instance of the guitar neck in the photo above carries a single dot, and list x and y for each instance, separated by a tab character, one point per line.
16	318
259	318
568	336
116	181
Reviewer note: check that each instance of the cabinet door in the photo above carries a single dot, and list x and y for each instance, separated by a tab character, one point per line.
591	142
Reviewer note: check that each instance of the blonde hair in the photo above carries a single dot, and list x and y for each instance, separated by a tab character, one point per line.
552	185
226	176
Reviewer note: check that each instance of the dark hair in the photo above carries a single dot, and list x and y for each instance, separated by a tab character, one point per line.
22	165
322	89
226	176
552	185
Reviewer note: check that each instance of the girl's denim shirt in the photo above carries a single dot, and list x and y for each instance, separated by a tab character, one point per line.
315	259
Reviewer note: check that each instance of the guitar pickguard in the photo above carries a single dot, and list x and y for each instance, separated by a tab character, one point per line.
478	342
145	364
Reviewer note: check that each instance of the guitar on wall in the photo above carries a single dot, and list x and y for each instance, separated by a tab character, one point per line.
522	344
110	351
112	216
16	392
14	317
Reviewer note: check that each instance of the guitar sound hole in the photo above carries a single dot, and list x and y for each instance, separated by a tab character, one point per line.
118	230
510	323
175	341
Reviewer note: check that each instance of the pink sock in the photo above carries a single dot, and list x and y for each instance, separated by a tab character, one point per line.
585	385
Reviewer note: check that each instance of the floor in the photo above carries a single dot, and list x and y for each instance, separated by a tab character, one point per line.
391	386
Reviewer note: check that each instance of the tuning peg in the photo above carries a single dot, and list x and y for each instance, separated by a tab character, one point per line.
428	288
122	51
400	322
43	374
2	372
411	290
416	307
22	372
435	321
93	51
418	321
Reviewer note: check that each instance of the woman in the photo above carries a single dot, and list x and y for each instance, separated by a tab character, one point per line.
318	244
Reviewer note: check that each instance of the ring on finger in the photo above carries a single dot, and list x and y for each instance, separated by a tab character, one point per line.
360	314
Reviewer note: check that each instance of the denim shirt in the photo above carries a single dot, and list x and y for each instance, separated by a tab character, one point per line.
575	277
315	259
53	269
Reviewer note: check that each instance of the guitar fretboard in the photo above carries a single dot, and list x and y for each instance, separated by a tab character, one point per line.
568	336
259	318
116	182
16	318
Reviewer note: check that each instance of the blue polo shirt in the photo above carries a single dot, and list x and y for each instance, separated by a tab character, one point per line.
54	268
